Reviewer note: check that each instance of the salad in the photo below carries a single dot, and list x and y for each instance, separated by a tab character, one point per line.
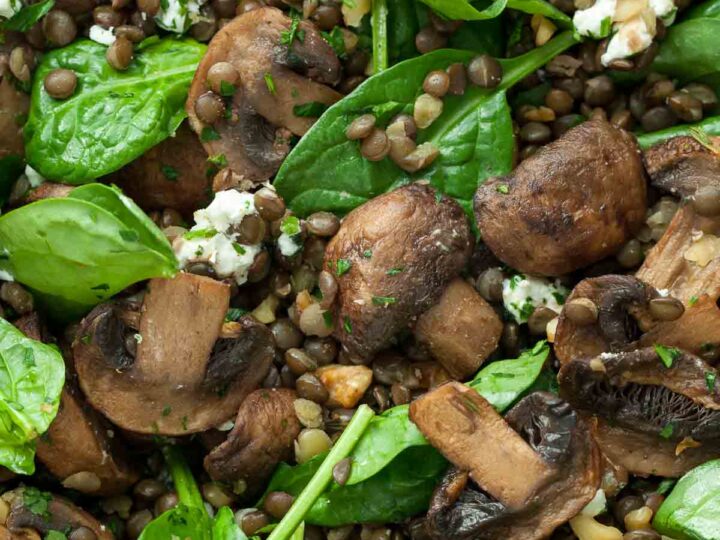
359	269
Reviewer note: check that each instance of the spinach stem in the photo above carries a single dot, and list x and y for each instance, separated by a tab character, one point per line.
380	35
320	480
182	476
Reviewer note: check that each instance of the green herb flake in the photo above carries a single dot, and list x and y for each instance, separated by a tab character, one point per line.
129	235
290	226
704	139
342	266
336	39
227	89
170	173
710	378
693	300
328	318
667	431
667	355
209	134
184	422
314	109
367	253
23	20
395	271
37	501
347	325
288	36
383	300
239	249
199	233
666	486
503	188
270	83
55	535
234	314
219	160
167	409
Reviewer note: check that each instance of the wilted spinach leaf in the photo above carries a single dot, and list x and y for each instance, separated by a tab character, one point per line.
466	11
27	16
77	251
114	116
32	376
711	126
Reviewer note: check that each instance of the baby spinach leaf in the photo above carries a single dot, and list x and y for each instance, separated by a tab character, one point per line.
114	116
684	52
704	9
11	167
77	251
27	16
692	510
466	11
380	35
326	171
710	125
180	522
32	375
504	381
402	27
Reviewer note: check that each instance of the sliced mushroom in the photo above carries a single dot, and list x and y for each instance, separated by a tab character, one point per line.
461	330
558	475
185	377
172	174
28	510
77	448
48	190
265	428
393	257
652	419
622	317
14	105
274	78
574	202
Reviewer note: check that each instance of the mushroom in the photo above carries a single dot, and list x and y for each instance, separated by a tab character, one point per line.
518	477
265	429
574	202
43	512
14	104
274	78
190	372
393	257
77	448
652	418
48	190
172	174
461	330
621	304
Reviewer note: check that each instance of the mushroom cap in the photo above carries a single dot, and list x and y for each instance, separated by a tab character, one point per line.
413	229
171	387
655	408
574	202
13	103
274	79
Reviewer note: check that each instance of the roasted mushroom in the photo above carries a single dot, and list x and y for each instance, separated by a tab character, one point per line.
574	202
655	416
272	79
14	104
43	512
172	174
393	257
263	435
48	190
185	377
520	477
461	330
77	448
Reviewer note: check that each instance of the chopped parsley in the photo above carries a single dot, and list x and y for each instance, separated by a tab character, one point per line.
314	109
383	300
342	266
219	160
337	41
233	314
288	36
710	378
367	253
129	236
184	422
328	318
209	134
227	89
667	355
167	409
270	83
239	249
394	271
693	300
503	188
55	535
667	431
290	226
170	173
199	233
347	325
37	501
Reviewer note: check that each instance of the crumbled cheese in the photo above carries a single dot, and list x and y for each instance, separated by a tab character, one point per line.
177	15
6	276
8	8
103	36
663	8
34	177
227	208
287	244
632	36
595	21
597	506
522	294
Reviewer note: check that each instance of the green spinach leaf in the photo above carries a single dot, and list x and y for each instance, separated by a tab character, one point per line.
11	167
504	381
326	171
402	27
466	11
114	116
77	251
32	375
380	35
692	510
709	9
27	16
684	53
711	126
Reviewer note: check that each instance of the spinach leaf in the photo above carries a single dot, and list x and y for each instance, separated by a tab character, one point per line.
32	375
710	125
684	52
326	171
11	167
180	522
114	116
464	10
692	510
380	35
77	251
705	9
504	381
27	16
402	27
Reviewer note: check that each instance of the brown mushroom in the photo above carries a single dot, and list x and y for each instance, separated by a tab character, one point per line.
185	377
48	190
263	435
653	418
393	257
14	105
574	202
172	174
274	78
461	330
528	473
76	447
43	512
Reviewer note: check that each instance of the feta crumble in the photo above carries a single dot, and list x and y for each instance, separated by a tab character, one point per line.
522	294
8	8
595	21
287	244
103	36
177	15
34	177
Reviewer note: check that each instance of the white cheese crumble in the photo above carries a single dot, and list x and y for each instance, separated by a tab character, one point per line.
34	177
6	276
103	36
597	506
522	294
177	15
287	244
595	21
213	241
632	36
8	8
